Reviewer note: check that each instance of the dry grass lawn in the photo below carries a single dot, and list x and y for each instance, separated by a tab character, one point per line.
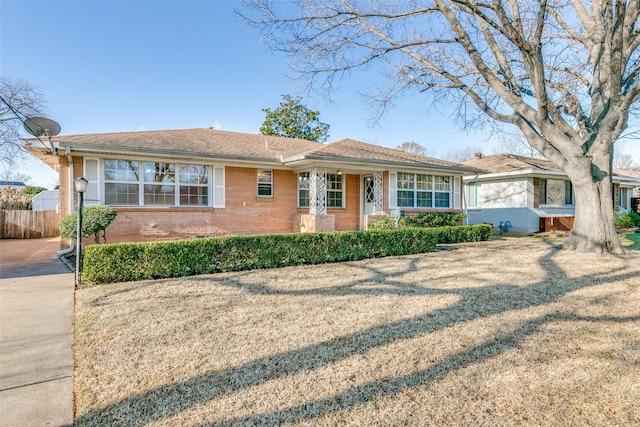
506	332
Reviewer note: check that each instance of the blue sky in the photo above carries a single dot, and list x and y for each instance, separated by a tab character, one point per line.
108	66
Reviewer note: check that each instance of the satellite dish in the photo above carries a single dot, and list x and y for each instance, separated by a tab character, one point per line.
39	126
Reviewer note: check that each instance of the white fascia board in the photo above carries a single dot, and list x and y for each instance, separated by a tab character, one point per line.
367	166
173	156
520	173
626	181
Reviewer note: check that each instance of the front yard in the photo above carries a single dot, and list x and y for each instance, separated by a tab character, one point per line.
505	332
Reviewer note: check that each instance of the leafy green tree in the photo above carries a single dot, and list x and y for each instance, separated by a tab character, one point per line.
291	119
32	190
94	220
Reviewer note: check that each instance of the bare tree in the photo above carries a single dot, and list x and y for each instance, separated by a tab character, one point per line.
564	72
8	174
515	143
412	147
20	100
462	154
622	160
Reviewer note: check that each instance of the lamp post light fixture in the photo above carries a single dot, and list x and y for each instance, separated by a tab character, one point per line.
81	186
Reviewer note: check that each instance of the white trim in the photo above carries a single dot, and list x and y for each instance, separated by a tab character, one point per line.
456	192
218	186
393	190
93	195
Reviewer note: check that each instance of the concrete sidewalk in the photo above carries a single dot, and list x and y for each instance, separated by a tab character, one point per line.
36	334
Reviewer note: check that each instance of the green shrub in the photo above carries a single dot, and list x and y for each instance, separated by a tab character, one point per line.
94	220
387	223
470	233
151	260
628	219
31	190
426	219
432	219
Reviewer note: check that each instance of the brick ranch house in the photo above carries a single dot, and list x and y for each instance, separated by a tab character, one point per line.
531	195
171	184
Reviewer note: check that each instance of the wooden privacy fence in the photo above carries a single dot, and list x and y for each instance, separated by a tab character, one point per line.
19	224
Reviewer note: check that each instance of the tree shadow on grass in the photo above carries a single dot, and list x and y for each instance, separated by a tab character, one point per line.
372	390
174	398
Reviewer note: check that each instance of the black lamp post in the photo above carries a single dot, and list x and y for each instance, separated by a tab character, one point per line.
81	186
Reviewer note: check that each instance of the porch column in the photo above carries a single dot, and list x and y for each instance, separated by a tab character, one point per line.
378	193
317	191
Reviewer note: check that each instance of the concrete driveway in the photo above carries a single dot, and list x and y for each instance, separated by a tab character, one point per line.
36	334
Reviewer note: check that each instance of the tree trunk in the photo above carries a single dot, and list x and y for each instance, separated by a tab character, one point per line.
593	229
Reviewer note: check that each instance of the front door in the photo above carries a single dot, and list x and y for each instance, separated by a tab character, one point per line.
368	195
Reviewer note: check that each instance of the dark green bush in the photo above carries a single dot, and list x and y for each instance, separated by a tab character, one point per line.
94	220
628	219
432	219
138	261
425	219
470	233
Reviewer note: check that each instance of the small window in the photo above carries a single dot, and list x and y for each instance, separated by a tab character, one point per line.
472	198
335	191
265	183
303	190
568	193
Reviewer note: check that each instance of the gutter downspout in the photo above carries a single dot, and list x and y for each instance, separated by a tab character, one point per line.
72	245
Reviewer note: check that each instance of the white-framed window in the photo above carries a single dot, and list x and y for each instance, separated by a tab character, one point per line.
159	184
265	183
121	182
335	191
473	195
423	191
151	183
193	183
303	190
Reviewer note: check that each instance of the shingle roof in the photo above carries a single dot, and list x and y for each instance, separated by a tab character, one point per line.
189	142
352	150
500	163
12	183
220	144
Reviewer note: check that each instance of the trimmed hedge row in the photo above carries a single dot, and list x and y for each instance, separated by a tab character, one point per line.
467	233
151	260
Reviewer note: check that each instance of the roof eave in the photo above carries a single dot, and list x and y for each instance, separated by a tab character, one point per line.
302	159
101	149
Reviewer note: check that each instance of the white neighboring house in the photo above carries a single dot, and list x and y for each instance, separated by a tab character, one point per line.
523	195
46	201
